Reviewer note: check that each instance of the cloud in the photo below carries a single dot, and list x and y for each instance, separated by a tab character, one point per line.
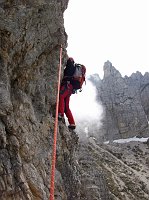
86	111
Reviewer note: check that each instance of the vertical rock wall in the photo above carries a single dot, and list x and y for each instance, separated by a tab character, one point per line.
126	103
31	33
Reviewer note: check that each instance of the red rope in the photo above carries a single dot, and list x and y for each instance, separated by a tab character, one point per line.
55	131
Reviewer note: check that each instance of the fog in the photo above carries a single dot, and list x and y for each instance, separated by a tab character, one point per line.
86	111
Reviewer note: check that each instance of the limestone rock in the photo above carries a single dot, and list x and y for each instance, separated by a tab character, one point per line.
114	171
31	33
125	101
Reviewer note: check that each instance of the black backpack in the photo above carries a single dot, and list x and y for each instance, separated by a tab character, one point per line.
75	73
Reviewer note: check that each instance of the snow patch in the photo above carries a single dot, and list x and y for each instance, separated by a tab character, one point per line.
134	139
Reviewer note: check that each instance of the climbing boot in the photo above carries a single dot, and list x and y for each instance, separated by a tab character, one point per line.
60	117
72	126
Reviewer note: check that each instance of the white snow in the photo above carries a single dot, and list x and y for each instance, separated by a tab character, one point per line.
107	142
136	139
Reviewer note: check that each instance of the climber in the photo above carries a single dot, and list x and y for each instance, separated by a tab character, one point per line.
66	89
74	77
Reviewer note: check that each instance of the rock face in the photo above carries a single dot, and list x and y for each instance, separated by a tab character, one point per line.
125	101
31	33
114	171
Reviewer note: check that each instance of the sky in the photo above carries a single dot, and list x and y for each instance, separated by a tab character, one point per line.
114	30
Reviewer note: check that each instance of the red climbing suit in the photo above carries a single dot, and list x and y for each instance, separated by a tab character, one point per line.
65	93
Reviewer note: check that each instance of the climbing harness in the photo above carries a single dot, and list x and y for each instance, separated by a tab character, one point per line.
55	131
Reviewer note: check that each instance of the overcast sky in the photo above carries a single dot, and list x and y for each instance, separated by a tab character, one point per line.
114	30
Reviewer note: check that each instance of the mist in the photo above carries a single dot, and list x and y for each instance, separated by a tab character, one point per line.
87	111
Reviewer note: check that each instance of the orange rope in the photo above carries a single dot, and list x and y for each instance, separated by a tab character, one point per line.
55	131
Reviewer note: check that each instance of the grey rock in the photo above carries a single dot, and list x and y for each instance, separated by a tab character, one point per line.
31	33
147	142
125	101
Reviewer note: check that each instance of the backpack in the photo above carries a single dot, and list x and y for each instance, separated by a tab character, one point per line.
78	76
75	73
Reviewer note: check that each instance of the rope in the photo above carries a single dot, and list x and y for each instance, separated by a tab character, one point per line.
55	131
